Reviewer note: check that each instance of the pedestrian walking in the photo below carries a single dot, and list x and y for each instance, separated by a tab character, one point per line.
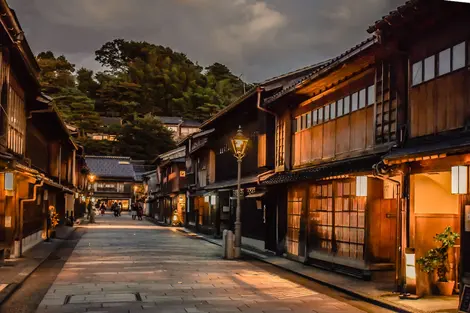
133	211
103	209
140	211
119	208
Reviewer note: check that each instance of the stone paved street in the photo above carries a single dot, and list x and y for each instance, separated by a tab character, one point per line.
121	265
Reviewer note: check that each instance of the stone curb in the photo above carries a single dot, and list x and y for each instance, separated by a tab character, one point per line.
6	293
373	300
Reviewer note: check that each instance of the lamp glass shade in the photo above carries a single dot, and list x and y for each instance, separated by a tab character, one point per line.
239	144
459	180
361	186
91	178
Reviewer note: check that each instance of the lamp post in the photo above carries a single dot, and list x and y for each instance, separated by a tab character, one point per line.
239	144
91	180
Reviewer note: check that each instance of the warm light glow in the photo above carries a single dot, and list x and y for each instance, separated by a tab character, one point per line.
410	260
91	178
459	180
239	144
93	199
175	218
361	186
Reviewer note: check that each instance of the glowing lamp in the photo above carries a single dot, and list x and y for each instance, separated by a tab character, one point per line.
91	178
459	180
175	218
239	144
361	186
410	259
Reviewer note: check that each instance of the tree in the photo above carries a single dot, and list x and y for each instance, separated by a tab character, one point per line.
78	110
86	83
144	138
56	73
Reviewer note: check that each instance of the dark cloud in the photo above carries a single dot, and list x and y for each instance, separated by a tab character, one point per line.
258	39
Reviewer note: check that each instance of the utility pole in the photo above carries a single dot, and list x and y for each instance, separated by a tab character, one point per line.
244	87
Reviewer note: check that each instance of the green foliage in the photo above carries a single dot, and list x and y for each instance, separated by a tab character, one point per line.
155	79
78	110
144	138
438	258
143	80
86	83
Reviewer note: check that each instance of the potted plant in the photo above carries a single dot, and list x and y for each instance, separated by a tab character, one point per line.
438	259
54	221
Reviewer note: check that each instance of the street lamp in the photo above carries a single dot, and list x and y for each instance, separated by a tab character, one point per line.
239	144
91	180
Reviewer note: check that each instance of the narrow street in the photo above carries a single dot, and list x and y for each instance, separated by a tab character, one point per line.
121	265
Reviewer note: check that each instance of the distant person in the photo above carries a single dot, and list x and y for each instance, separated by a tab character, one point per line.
119	208
133	211
140	211
103	209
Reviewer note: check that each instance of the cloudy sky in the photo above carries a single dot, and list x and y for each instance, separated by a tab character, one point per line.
256	38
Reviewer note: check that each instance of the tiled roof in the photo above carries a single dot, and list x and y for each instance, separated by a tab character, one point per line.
108	121
141	169
296	75
342	167
110	167
398	12
324	66
175	120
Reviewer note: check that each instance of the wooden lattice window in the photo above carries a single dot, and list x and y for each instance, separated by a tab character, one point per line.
16	118
349	221
321	213
280	142
337	219
294	212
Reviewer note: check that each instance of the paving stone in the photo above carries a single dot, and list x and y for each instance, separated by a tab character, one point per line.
172	274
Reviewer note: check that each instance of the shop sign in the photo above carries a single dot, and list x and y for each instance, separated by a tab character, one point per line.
464	306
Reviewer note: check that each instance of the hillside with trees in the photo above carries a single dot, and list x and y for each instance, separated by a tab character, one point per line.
141	81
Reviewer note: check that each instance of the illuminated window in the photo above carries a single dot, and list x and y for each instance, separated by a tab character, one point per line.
362	98
371	95
340	105
429	68
327	112
333	110
458	56
444	62
354	102
417	73
315	117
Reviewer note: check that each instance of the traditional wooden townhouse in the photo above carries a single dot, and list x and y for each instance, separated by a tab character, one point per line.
212	166
37	155
150	189
333	211
431	162
171	187
200	166
112	179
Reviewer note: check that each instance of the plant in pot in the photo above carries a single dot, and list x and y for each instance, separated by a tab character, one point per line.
54	221
438	259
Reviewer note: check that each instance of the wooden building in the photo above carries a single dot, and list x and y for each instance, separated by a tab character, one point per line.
212	168
171	187
429	42
330	130
180	127
114	179
37	155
